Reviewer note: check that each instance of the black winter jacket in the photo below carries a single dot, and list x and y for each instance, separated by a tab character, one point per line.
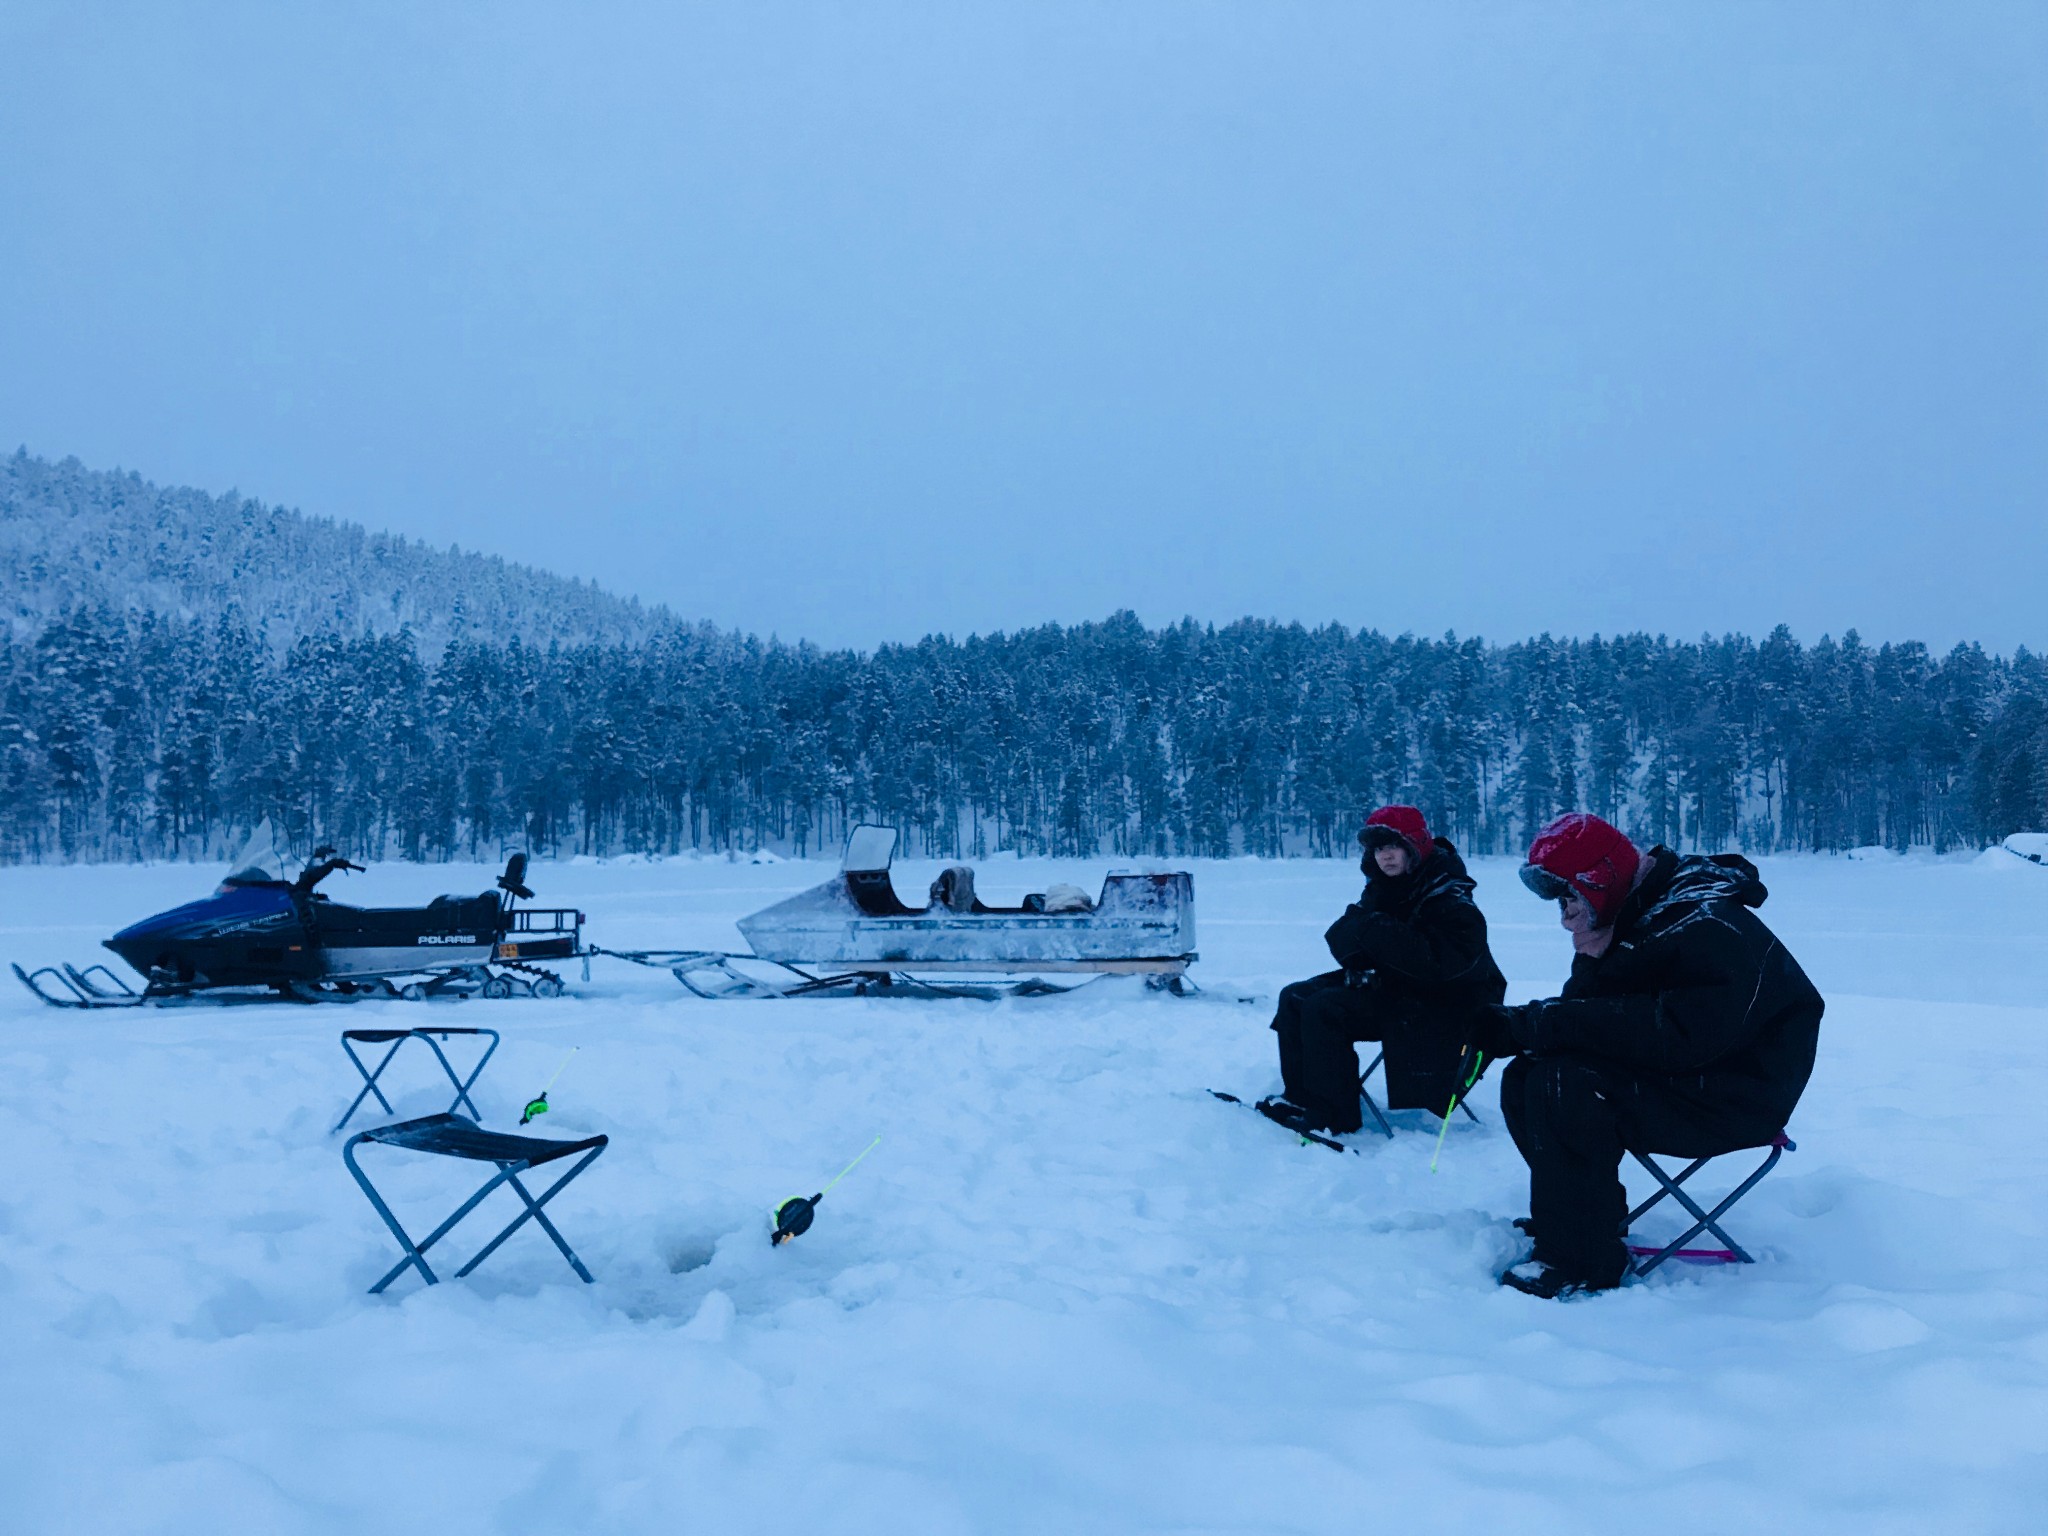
1695	989
1424	939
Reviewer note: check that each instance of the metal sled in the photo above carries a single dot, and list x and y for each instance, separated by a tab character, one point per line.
853	935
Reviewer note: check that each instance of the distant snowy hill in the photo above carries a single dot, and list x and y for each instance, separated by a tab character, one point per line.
71	535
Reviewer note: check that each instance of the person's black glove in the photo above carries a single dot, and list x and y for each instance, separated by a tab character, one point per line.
1493	1033
1533	1026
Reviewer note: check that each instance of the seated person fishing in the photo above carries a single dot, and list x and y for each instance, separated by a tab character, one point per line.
1686	1027
1414	974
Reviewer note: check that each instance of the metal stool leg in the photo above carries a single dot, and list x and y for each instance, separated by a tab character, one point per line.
415	1253
533	1209
1365	1096
369	1080
462	1085
1703	1221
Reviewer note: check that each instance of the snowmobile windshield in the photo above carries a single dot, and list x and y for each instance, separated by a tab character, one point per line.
256	861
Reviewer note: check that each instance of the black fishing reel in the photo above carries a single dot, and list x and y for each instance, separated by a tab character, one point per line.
793	1218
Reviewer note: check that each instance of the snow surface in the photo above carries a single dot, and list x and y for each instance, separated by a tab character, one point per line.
1069	1291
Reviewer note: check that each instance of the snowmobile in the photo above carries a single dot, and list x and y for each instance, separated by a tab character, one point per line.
257	931
854	933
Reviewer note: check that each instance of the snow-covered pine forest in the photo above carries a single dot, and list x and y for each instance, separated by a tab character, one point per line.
73	537
180	666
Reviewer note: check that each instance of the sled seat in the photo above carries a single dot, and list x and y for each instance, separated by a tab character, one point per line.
1643	1258
457	1137
396	1038
1372	1106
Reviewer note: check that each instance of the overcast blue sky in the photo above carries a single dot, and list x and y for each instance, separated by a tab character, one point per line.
854	322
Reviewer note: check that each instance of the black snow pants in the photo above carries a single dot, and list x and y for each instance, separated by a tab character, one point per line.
1572	1118
1319	1022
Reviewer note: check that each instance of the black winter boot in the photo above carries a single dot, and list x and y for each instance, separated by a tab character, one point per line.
1533	1277
1296	1117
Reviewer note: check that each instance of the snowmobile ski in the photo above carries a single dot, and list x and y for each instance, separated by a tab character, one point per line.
1267	1111
69	988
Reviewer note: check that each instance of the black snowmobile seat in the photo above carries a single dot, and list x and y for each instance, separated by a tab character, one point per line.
477	913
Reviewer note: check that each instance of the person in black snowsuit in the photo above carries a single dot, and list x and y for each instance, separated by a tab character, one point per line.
1414	973
1686	1028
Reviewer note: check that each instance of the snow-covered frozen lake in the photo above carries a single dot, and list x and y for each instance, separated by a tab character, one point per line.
1069	1291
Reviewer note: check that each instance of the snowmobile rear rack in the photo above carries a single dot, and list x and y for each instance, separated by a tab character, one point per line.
541	933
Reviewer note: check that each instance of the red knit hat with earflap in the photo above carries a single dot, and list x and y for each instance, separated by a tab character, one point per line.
1587	854
1402	822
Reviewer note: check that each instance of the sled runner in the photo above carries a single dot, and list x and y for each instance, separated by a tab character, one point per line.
280	938
854	934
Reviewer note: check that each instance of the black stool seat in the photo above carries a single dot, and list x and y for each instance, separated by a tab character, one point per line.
379	1036
454	1136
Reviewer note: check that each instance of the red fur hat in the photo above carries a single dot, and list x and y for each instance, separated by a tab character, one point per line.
1582	853
1398	823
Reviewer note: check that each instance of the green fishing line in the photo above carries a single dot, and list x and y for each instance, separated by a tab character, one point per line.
1478	1066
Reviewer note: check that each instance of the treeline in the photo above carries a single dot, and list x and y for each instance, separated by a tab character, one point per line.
73	537
126	735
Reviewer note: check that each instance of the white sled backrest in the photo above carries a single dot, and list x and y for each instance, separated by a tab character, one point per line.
869	850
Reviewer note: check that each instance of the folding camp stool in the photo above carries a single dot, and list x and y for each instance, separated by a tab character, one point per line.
398	1037
1643	1259
454	1136
1372	1105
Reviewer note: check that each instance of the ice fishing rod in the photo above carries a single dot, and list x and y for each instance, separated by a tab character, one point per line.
1457	1093
793	1216
539	1106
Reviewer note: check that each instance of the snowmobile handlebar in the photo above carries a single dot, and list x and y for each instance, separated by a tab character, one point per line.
314	873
